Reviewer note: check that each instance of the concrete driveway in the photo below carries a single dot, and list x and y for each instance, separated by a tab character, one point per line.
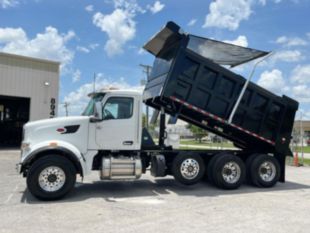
155	205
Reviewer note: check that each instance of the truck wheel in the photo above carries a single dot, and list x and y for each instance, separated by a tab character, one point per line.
51	177
265	171
248	164
228	171
188	169
210	167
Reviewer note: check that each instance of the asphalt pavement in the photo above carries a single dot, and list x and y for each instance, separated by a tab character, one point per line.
155	205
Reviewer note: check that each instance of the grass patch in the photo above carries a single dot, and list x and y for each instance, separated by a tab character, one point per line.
190	148
306	149
194	142
307	162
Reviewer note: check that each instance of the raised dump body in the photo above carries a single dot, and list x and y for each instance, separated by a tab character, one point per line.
189	81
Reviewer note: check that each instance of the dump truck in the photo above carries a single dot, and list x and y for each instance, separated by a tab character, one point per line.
190	81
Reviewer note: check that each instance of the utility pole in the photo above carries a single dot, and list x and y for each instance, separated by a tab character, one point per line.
66	104
147	70
94	82
302	138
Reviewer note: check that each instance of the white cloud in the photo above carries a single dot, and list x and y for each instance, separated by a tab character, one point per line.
12	34
50	44
120	28
273	81
157	7
141	51
240	40
192	22
119	25
287	56
78	99
89	8
82	49
301	75
93	46
76	76
88	48
8	3
263	2
301	93
294	41
297	88
228	14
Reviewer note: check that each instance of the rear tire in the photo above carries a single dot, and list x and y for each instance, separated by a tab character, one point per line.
248	164
228	171
188	169
210	167
51	177
265	171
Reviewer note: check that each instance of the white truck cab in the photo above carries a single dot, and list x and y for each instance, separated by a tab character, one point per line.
112	122
118	127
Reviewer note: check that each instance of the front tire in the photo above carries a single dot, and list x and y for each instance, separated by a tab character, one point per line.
51	177
188	169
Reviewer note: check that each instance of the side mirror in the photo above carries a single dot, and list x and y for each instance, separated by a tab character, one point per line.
97	112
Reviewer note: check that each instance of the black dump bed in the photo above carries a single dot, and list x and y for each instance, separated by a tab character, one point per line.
189	81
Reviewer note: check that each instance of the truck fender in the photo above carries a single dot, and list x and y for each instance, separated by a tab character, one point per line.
64	148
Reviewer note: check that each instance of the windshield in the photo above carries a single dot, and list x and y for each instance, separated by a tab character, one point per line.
89	110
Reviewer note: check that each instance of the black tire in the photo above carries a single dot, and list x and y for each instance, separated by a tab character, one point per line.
248	164
218	171
210	167
51	161
181	159
257	171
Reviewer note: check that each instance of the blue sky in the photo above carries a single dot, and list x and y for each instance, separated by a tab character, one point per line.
106	36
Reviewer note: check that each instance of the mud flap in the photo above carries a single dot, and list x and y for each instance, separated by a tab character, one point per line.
281	160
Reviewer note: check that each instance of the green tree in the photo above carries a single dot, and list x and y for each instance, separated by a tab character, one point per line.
199	133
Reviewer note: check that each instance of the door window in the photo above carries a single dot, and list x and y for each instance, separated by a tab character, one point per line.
118	108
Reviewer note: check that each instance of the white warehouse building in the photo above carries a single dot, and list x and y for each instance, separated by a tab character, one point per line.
28	91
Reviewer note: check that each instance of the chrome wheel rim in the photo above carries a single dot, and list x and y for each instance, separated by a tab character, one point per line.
267	171
231	172
189	169
52	179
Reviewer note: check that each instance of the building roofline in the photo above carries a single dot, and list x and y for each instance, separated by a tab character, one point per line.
29	58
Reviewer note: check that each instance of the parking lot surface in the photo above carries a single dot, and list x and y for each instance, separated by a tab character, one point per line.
155	205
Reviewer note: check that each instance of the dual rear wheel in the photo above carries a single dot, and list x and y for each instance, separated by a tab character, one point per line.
227	171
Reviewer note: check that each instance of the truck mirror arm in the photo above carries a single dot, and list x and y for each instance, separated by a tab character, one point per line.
95	119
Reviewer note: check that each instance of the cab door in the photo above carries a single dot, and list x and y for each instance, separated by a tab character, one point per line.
118	129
